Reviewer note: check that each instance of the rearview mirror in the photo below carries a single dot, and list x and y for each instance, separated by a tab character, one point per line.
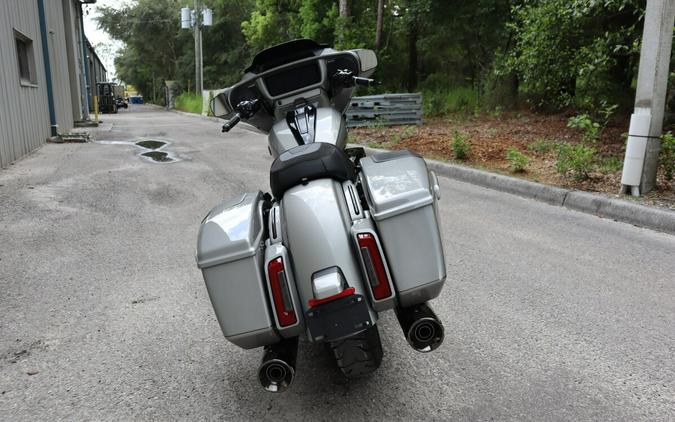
368	59
219	105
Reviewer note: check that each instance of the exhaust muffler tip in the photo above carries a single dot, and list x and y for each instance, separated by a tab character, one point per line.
425	335
421	327
277	369
276	375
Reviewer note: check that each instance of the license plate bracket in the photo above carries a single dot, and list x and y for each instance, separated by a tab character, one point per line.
338	319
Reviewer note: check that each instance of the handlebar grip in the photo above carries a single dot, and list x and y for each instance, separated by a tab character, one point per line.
365	81
232	122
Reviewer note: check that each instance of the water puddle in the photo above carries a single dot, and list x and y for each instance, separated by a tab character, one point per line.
151	144
152	150
158	156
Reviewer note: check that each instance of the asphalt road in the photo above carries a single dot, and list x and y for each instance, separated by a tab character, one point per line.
550	314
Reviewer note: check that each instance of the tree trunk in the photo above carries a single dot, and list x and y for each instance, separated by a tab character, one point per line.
412	55
345	11
378	26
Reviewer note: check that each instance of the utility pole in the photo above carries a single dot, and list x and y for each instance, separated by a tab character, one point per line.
197	19
379	24
646	123
199	83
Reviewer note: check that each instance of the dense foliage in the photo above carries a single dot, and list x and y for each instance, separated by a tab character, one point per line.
463	55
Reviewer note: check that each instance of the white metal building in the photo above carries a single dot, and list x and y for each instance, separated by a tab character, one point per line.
44	65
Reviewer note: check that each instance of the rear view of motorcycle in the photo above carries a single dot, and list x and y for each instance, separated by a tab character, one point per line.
341	238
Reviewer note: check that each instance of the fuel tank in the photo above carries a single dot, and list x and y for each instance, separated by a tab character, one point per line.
327	125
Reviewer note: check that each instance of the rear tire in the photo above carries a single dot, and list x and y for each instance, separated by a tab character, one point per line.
359	354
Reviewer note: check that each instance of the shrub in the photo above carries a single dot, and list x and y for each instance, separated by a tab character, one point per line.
541	146
187	101
577	158
460	146
517	160
584	122
667	155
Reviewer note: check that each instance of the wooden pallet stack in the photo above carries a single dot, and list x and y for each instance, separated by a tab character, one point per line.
385	110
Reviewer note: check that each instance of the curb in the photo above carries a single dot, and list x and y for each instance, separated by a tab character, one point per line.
620	210
586	202
185	113
201	116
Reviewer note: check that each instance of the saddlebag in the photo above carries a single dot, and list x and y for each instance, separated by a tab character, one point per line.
231	256
401	194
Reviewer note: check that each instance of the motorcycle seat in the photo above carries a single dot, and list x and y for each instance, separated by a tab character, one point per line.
317	160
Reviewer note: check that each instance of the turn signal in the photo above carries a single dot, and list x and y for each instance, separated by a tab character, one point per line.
372	258
280	293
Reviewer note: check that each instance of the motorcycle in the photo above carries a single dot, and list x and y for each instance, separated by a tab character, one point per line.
342	237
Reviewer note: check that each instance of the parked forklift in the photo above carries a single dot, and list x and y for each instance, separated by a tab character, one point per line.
107	101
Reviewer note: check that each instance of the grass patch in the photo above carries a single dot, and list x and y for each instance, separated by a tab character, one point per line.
667	155
609	165
541	146
397	135
454	100
187	101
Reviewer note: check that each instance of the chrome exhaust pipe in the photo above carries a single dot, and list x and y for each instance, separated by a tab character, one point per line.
421	327
277	369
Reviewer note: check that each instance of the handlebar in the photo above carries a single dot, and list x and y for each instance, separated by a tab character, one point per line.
232	122
365	81
345	78
245	110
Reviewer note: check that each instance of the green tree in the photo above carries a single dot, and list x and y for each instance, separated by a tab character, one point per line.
575	52
157	49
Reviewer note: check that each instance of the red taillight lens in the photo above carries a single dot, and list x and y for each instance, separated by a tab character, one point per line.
377	274
280	293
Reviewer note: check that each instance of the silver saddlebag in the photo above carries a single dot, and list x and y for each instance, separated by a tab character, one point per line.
231	257
401	194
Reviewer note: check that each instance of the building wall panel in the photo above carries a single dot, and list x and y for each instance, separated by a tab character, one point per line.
74	58
59	64
25	114
24	110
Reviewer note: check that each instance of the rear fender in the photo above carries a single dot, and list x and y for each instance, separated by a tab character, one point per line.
317	232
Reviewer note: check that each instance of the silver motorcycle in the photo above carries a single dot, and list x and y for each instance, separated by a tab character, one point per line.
342	237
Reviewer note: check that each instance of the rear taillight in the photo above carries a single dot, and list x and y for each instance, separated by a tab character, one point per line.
372	259
280	293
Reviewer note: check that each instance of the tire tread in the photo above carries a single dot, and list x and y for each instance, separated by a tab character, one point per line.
360	354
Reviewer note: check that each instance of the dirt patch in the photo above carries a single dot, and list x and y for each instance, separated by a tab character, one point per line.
535	135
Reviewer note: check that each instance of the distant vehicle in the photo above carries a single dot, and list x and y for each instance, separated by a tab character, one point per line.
120	98
133	96
107	102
